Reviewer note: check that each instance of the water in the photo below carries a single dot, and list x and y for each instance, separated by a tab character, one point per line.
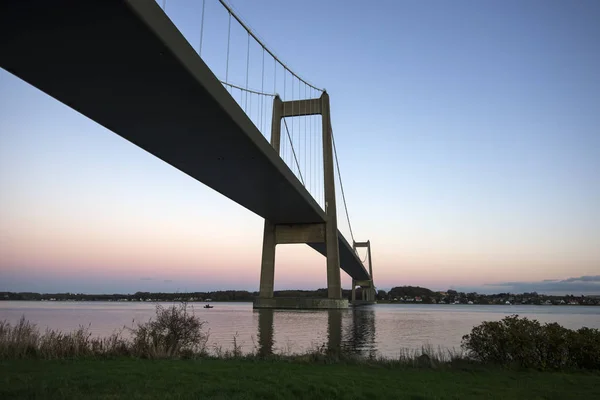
384	329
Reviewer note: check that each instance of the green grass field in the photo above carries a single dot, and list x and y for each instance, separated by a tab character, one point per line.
246	379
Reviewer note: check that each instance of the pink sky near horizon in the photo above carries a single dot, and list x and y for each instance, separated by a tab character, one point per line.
228	256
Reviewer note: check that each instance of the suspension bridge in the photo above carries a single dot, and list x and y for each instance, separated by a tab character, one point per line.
227	112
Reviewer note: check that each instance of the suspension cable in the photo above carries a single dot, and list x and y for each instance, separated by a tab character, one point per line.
342	186
366	256
238	19
248	90
293	151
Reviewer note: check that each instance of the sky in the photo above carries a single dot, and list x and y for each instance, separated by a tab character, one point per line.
468	136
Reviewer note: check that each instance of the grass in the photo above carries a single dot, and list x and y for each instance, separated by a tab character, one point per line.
167	358
130	378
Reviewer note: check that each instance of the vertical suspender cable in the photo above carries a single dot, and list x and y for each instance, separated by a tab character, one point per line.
275	90
201	28
262	89
309	121
292	140
284	93
247	70
305	169
315	138
228	42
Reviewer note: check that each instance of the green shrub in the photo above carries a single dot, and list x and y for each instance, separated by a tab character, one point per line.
585	348
527	343
174	332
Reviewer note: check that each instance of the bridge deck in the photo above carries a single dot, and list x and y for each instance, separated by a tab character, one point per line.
124	65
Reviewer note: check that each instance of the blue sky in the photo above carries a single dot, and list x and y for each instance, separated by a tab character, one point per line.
468	135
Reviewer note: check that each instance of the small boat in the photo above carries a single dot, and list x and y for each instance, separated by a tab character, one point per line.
208	306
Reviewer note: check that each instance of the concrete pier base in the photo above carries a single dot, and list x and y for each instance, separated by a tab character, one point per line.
304	303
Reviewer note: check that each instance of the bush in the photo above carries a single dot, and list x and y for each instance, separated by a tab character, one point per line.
527	343
175	332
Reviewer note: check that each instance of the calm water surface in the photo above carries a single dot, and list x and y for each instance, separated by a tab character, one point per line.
384	329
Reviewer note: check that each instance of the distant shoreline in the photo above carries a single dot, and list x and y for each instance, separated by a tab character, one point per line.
250	301
396	295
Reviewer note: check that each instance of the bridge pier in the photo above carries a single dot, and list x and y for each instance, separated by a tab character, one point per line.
367	287
326	232
267	268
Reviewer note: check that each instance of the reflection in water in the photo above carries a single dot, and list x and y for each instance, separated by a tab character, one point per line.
334	331
360	335
265	332
351	331
385	328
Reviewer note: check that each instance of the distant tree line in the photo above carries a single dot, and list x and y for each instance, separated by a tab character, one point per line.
399	294
416	294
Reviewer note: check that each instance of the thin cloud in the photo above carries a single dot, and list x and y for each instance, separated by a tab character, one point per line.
587	278
586	285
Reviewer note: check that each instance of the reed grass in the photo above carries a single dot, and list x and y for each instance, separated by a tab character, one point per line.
24	340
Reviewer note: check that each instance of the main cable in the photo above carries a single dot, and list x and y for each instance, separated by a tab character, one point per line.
342	186
293	151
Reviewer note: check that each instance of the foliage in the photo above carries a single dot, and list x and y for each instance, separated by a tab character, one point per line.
527	343
24	340
174	333
410	291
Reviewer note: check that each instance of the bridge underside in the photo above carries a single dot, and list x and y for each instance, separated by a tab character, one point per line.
124	65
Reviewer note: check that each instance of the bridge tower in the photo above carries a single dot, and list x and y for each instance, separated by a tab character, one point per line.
368	287
324	233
